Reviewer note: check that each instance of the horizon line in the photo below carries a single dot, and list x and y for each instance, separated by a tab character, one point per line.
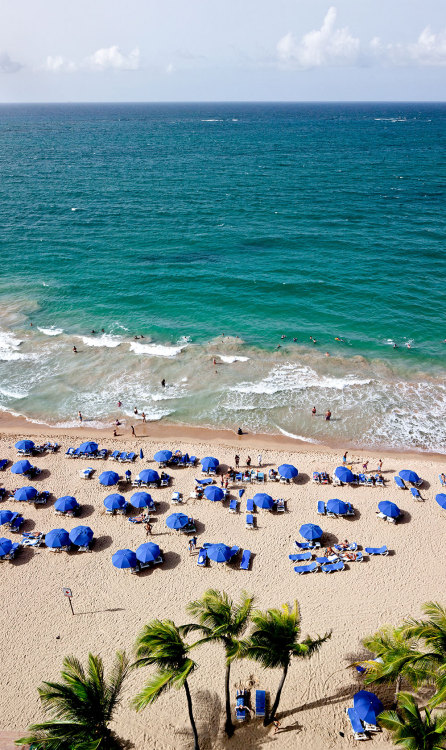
233	101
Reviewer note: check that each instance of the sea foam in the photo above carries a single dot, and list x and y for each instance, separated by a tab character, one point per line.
53	331
156	350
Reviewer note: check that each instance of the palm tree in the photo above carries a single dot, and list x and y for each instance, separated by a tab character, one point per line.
431	633
160	644
410	730
219	619
275	640
81	707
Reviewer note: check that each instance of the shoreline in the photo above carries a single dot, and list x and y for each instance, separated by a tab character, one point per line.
20	426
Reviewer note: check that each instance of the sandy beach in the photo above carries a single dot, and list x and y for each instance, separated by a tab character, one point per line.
111	606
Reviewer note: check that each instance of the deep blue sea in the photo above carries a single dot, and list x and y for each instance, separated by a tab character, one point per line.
212	230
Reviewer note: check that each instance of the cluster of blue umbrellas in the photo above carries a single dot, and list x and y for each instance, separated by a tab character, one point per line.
288	471
389	509
126	558
66	504
25	445
25	494
80	536
209	462
21	467
163	456
263	501
344	474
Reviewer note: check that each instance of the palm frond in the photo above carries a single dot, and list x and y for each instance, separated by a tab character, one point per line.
158	684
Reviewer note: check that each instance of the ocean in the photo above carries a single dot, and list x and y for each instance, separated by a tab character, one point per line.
212	231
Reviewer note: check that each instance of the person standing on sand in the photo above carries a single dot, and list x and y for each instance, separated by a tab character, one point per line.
133	430
79	415
237	460
148	528
115	433
143	417
248	461
74	350
328	415
259	459
163	383
344	458
313	411
365	465
380	465
135	410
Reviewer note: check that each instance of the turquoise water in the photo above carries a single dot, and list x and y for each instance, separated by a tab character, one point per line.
184	222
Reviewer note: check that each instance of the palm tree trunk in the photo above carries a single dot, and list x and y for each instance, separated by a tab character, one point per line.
397	689
191	716
272	715
229	726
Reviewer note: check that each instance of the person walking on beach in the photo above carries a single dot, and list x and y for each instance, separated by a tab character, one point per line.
276	725
365	465
74	350
133	430
328	415
380	465
163	383
79	415
143	417
248	461
237	460
148	528
135	410
344	458
313	411
259	459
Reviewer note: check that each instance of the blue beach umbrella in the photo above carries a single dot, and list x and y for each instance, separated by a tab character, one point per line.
124	558
88	447
115	501
163	456
441	500
21	466
337	506
367	705
25	445
344	474
389	509
108	478
209	463
264	501
25	493
288	471
81	536
219	552
141	500
177	521
310	531
409	476
241	493
5	546
141	454
66	503
57	538
5	516
147	552
214	493
149	476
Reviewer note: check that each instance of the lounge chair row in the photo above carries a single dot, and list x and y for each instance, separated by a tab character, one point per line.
320	477
241	704
202	558
361	480
38	449
164	481
101	454
179	460
40	499
323	510
403	486
142	566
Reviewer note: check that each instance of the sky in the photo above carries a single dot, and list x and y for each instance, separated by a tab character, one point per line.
215	50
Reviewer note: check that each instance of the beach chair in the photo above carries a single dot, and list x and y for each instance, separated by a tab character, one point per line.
370	481
164	482
316	477
325	479
272	475
357	727
379	480
399	483
381	515
86	473
3	464
281	506
12	553
204	482
321	508
234	552
311	568
41	498
358	557
16	522
307	545
249	521
352	547
122	457
261	476
183	460
176	498
192	460
442	482
350	510
233	506
202	557
415	493
389	519
130	457
122	511
327	560
136	483
142	518
240	708
115	455
30	539
333	567
300	557
246	477
336	482
70	453
102	454
377	550
362	480
370	727
260	703
250	505
246	557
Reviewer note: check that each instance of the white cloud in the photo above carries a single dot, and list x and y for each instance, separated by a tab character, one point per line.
429	49
7	65
111	58
325	46
170	68
59	64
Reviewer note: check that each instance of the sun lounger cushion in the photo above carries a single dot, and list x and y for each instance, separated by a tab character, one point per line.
246	557
202	557
321	507
377	550
333	567
300	557
357	727
250	505
311	568
260	702
250	520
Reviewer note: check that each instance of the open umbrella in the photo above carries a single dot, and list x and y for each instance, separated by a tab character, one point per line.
209	463
214	493
441	500
141	500
57	538
163	456
115	501
25	493
264	501
66	503
219	552
409	476
81	536
5	546
124	558
344	474
177	521
288	471
337	506
25	445
148	552
5	516
21	466
88	447
148	476
108	478
389	509
310	531
367	706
